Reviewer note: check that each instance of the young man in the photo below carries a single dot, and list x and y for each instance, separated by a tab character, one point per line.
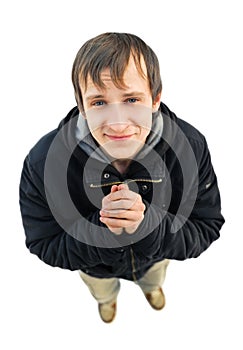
122	185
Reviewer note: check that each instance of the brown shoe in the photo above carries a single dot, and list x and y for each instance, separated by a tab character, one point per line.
156	299
107	311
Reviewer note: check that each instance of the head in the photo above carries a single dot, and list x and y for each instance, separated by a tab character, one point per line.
109	70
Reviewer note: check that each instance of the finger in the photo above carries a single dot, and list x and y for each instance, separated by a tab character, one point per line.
114	188
121	194
122	214
116	231
134	204
106	199
123	187
124	204
118	223
121	207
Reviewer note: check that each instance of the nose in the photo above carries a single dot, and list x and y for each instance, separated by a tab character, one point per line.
118	128
118	120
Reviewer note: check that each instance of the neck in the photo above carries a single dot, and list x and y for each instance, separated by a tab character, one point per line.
121	165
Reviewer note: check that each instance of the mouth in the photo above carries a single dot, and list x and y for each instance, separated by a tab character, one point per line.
119	137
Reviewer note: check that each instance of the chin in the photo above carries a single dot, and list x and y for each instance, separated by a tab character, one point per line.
120	150
121	154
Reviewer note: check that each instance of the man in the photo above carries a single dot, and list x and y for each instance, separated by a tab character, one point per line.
122	185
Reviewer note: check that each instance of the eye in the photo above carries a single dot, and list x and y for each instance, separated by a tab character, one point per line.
98	103
132	100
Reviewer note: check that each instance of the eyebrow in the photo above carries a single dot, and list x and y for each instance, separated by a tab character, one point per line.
91	97
134	93
127	94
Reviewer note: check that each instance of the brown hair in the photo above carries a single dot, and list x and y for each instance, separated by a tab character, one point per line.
113	50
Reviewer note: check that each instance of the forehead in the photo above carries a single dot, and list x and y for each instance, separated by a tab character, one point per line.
132	77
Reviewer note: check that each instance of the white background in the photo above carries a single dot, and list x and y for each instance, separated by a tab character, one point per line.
199	45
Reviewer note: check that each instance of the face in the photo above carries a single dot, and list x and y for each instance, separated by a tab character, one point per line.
120	119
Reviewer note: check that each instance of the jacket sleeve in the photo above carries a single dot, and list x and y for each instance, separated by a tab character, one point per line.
200	229
44	236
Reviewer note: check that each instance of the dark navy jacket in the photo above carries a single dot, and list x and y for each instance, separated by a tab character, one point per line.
62	188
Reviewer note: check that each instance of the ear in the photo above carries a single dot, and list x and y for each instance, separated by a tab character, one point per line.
156	102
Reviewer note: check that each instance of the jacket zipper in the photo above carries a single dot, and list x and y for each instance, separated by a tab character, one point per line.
133	265
124	182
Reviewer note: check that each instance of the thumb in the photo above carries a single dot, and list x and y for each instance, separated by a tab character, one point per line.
114	188
123	186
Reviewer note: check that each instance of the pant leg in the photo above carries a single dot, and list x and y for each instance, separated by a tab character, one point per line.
154	277
104	290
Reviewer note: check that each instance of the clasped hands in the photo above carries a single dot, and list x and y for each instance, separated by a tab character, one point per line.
122	209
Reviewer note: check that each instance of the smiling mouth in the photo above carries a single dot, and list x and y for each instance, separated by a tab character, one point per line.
119	138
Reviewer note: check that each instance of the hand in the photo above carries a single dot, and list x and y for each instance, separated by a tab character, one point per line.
122	209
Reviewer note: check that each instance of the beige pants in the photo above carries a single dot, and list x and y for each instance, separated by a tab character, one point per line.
105	290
